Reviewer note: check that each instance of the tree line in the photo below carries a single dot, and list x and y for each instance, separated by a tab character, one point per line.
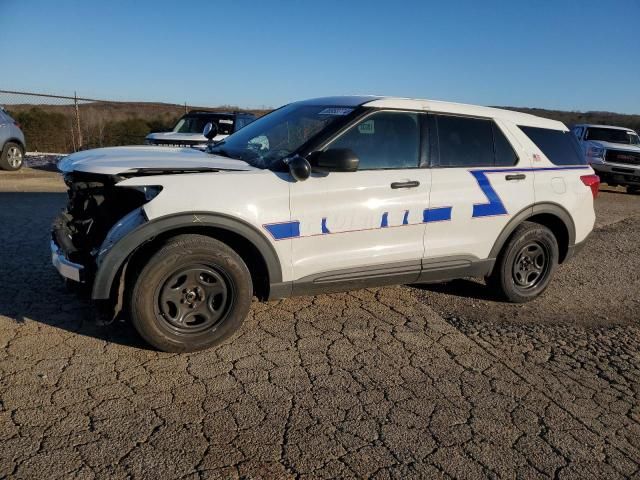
54	128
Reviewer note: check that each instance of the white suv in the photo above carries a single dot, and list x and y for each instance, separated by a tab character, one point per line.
322	195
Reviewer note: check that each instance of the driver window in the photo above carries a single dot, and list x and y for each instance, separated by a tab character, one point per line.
384	140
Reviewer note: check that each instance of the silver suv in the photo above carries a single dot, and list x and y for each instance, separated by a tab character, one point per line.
12	144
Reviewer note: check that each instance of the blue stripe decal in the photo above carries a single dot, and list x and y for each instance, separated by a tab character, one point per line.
282	231
533	169
440	214
405	219
385	220
324	226
495	205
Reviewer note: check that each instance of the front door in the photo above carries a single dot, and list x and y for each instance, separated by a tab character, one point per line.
368	224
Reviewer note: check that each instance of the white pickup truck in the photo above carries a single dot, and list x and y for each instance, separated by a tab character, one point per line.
613	152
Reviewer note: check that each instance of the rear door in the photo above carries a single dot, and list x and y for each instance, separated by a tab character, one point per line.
479	181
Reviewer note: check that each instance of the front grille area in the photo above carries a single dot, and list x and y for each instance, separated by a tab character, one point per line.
627	158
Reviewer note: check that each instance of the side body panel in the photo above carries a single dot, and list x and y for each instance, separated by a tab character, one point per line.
355	219
258	198
479	201
561	185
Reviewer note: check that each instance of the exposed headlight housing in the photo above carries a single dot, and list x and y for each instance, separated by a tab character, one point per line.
150	192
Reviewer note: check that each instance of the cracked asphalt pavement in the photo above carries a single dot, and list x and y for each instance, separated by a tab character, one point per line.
400	382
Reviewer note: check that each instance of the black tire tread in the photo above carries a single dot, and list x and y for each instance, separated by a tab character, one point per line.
142	295
501	280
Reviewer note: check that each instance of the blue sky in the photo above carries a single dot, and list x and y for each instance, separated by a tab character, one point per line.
573	55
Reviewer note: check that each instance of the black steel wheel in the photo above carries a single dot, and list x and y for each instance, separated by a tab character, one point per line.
195	298
530	265
526	264
192	294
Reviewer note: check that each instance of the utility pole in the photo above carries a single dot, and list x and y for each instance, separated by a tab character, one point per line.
75	101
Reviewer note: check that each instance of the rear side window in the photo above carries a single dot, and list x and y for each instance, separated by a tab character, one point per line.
471	142
464	142
561	148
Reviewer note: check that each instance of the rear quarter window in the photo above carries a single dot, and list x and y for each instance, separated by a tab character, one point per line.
561	148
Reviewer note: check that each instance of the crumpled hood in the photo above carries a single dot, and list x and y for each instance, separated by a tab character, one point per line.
122	160
615	146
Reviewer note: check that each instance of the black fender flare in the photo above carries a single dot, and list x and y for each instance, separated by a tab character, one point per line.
119	254
537	209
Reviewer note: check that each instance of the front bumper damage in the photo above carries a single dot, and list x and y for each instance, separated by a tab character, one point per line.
65	267
79	265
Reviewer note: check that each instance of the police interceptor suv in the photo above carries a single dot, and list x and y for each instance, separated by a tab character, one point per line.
322	195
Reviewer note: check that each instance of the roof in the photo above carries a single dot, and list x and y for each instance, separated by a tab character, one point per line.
518	118
588	125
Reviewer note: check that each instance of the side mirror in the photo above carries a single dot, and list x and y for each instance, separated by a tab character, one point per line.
210	130
335	160
299	168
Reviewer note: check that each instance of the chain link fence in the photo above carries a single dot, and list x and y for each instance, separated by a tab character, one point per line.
60	124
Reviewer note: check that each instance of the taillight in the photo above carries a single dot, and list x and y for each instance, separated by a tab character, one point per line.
16	124
592	181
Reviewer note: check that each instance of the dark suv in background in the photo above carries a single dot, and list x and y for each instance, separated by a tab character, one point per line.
12	144
189	129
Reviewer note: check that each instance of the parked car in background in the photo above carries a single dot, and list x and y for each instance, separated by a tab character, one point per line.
613	152
329	194
188	131
12	144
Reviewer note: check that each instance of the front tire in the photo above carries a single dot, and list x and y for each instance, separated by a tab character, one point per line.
12	157
192	294
526	263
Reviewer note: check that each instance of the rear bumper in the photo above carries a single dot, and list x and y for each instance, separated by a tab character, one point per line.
65	267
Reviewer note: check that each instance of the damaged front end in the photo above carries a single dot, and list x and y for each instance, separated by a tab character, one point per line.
98	213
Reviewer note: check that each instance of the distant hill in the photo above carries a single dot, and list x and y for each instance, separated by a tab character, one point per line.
572	118
53	128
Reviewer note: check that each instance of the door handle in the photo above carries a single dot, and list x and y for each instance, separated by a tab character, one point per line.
409	184
520	176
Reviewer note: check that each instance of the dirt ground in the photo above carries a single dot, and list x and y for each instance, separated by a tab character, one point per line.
399	382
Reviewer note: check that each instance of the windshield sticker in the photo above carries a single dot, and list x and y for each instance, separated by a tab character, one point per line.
367	128
222	120
336	111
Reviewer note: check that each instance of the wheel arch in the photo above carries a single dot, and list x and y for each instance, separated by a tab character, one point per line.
18	141
254	248
551	215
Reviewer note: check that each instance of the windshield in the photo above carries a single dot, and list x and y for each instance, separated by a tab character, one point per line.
195	124
268	140
612	135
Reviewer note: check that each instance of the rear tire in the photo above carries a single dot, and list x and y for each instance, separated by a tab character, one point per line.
633	190
12	157
192	294
526	263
